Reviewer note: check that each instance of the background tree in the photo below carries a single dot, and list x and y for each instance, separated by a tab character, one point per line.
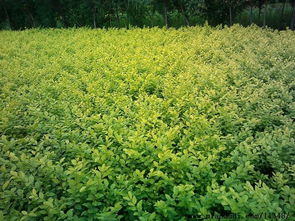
20	14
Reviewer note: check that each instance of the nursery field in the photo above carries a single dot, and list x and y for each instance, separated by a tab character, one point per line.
147	124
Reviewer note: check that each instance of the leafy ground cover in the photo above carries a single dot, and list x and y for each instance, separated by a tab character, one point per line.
147	124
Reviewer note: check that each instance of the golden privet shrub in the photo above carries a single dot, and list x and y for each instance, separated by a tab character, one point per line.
147	124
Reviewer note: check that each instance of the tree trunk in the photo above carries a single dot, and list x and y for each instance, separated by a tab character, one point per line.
184	15
32	19
230	16
165	5
7	16
292	26
251	14
282	13
283	9
117	15
127	21
264	14
260	5
28	17
94	17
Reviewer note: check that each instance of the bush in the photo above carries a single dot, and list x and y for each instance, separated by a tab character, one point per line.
147	124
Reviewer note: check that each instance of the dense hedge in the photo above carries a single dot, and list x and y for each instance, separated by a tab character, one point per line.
147	124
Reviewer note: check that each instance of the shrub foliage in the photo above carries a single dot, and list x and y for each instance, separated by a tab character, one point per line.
146	124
